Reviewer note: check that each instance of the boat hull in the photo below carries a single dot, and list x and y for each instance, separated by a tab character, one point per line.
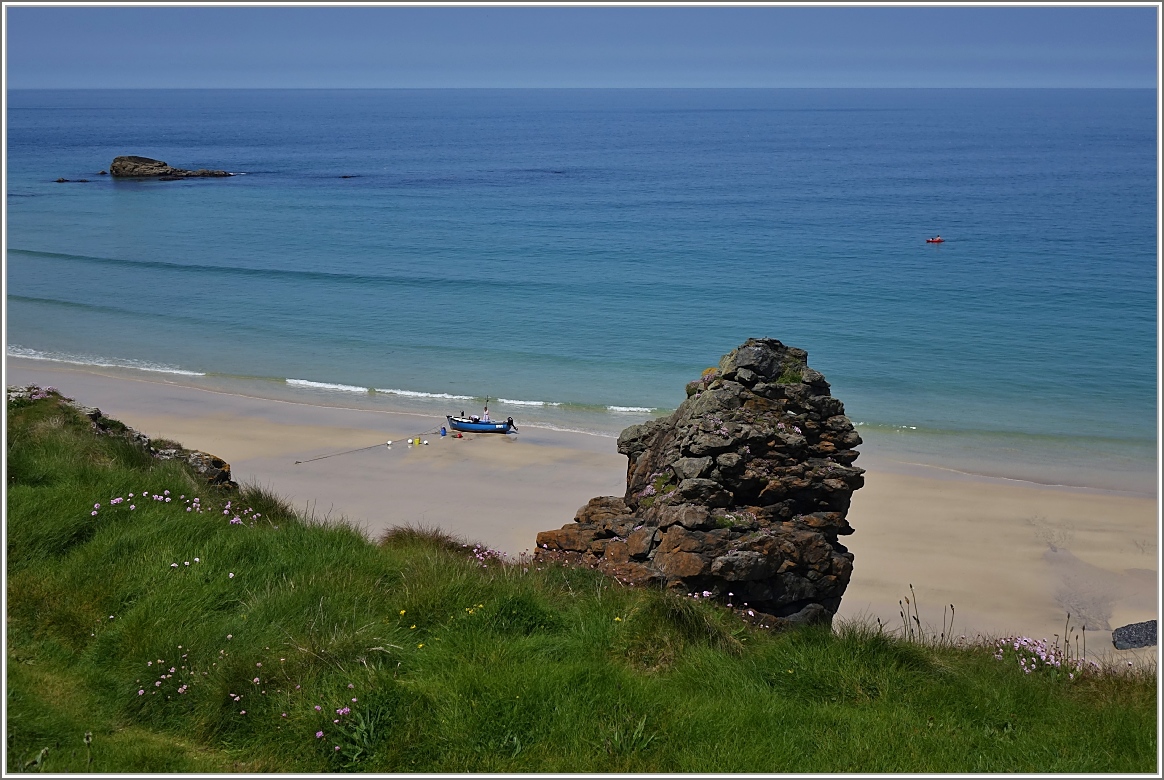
468	426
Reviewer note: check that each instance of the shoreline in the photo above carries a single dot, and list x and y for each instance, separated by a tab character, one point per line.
953	454
887	462
1012	556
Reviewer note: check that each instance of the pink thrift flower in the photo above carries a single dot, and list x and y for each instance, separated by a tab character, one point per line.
319	735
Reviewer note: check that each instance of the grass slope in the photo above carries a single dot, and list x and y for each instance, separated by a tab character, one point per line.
276	644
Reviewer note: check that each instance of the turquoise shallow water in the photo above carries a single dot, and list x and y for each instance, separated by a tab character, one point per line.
582	254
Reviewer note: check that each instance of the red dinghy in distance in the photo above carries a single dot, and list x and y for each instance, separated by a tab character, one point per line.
935	240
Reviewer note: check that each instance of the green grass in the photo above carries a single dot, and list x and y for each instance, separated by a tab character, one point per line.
791	372
455	666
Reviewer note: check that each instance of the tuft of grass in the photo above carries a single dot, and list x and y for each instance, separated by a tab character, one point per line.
791	372
404	537
422	652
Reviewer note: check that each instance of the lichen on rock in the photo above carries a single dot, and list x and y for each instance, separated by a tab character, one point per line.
742	492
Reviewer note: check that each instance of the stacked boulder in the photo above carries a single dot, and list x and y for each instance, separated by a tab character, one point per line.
739	495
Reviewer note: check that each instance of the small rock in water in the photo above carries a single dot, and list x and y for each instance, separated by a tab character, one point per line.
133	166
1135	635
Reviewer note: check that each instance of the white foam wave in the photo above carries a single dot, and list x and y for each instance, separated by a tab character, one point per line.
635	409
526	403
327	386
586	431
419	394
15	350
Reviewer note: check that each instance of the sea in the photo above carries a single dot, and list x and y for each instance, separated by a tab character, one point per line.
574	257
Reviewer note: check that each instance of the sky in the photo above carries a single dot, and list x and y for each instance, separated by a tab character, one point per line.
82	47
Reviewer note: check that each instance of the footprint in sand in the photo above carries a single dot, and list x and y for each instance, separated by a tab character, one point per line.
1088	593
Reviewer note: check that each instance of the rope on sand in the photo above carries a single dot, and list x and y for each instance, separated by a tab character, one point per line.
361	449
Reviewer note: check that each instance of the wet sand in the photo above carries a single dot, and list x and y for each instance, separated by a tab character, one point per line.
1012	557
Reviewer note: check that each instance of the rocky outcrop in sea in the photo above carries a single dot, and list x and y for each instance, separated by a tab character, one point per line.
132	166
740	495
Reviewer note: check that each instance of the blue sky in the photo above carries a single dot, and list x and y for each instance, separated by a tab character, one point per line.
939	46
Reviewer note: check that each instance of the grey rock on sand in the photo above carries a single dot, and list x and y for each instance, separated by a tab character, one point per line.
132	166
740	494
1135	635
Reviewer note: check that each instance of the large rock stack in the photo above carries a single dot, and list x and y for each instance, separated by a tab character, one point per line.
740	494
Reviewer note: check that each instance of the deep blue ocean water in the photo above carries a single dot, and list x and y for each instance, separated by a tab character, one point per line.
596	249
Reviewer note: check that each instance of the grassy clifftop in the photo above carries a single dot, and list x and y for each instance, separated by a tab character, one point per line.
159	624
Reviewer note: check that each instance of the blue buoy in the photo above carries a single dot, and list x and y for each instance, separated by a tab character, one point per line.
443	431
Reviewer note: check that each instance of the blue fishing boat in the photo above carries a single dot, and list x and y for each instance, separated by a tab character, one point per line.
474	425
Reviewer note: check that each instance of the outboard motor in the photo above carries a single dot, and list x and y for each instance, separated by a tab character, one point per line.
509	421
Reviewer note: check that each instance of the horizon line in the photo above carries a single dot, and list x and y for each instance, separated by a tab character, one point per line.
240	89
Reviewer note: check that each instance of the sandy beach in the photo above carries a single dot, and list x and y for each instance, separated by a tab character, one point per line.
1012	557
